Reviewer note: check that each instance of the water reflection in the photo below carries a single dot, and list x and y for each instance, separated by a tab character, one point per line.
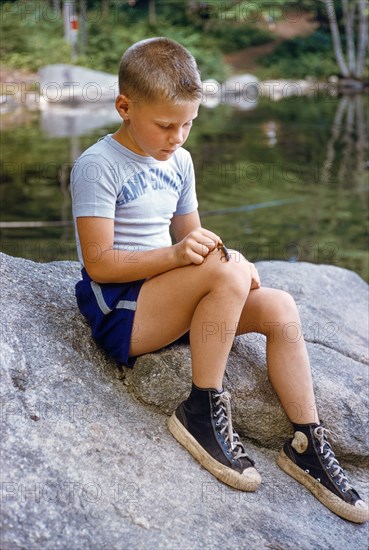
349	127
69	121
270	130
286	180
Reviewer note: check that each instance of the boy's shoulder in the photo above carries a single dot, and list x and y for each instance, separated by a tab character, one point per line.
101	147
109	152
182	158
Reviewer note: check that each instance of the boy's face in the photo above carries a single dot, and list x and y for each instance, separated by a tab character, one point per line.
155	129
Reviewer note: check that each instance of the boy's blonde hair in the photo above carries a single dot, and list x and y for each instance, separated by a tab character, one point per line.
159	68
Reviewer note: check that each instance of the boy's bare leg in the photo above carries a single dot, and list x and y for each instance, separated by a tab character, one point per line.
308	456
204	299
274	313
201	298
211	300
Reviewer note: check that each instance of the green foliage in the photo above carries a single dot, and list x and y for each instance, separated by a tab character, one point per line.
301	57
175	12
231	37
105	45
317	42
29	39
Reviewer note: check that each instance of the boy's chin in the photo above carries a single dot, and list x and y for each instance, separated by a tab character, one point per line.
163	154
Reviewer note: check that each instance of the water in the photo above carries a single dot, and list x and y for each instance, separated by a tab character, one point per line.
287	180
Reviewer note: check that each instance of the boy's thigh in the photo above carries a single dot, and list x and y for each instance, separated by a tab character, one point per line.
165	306
167	302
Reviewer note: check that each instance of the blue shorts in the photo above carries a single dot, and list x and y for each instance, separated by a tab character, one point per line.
110	310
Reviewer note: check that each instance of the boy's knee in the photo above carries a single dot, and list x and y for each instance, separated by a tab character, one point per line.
235	274
286	299
284	303
279	312
240	266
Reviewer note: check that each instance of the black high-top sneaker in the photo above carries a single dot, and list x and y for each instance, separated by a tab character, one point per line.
309	458
203	424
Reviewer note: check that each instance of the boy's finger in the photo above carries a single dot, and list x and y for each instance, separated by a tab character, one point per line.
201	249
211	245
213	236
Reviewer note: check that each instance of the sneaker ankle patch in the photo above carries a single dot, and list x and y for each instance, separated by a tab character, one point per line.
300	442
361	504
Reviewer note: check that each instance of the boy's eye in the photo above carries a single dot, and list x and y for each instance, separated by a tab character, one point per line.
167	127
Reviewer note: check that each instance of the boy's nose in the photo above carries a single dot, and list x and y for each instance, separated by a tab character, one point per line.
176	137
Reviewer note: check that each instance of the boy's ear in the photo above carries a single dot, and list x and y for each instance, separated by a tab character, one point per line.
122	105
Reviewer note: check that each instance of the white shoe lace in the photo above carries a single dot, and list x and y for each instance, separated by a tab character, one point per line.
331	461
224	419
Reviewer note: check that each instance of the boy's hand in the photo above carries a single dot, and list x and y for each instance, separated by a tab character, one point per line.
194	248
255	278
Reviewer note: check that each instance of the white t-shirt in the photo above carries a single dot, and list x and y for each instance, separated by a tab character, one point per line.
140	193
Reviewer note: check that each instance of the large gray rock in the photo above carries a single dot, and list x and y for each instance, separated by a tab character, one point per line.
71	84
87	466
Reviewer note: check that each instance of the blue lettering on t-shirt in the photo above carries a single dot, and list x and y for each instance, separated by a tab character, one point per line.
137	184
162	180
133	188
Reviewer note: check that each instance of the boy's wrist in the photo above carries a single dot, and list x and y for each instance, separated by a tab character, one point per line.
173	256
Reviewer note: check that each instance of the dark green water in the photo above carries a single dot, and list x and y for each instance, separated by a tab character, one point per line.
287	180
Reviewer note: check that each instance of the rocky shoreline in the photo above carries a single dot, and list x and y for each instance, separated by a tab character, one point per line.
57	85
87	460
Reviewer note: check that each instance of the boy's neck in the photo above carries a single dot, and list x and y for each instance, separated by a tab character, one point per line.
123	137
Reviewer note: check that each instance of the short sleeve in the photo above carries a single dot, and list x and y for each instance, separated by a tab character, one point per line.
187	201
93	187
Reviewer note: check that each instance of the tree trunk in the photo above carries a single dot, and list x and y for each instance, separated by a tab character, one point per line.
68	12
105	8
152	12
336	37
83	25
363	38
349	20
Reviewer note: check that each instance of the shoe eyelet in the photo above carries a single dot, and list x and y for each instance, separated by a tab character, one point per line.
307	471
318	479
344	490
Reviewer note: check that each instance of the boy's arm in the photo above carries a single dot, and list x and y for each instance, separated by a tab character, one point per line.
182	225
105	264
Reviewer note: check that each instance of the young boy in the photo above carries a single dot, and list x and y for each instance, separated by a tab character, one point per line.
140	292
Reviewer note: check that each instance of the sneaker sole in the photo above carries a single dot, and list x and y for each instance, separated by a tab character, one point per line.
247	481
330	500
